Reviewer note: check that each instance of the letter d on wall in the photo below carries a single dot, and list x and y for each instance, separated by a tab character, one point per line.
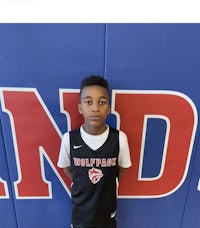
133	108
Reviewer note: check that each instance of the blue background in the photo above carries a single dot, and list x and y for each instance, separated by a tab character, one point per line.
131	56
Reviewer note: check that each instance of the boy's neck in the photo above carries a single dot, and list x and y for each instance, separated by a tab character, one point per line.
95	131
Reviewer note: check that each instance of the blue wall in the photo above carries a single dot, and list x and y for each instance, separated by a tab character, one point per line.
133	57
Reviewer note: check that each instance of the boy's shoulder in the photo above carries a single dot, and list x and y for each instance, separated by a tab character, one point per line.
76	131
111	129
114	130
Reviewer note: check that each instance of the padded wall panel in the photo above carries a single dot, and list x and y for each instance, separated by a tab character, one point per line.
157	57
7	209
43	58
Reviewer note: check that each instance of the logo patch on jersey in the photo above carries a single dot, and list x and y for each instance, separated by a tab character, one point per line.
77	146
95	175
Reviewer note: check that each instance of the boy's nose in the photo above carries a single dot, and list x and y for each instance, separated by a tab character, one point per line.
95	106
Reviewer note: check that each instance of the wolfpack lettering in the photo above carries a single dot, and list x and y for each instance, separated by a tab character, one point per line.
36	137
90	162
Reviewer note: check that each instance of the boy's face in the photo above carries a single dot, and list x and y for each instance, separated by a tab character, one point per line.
94	106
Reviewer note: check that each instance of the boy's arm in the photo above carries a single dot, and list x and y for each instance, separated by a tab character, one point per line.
68	172
120	172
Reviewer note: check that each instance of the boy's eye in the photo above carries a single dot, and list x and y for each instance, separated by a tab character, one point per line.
88	102
102	102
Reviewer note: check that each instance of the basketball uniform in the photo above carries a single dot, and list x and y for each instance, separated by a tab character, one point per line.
94	174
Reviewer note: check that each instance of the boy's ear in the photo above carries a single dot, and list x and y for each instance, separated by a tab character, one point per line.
79	109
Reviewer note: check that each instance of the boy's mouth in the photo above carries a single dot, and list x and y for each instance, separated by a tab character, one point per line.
94	117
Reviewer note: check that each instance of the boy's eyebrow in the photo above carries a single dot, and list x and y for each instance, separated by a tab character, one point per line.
89	97
86	97
104	97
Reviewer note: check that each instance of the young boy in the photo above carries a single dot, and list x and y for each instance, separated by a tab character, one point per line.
93	157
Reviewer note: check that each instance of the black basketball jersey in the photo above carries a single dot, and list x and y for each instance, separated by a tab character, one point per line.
94	174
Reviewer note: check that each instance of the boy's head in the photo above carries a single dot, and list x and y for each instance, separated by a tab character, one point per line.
94	104
94	80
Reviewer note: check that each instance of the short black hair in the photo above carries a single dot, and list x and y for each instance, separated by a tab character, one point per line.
94	80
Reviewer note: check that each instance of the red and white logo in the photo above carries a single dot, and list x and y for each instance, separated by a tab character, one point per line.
95	175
